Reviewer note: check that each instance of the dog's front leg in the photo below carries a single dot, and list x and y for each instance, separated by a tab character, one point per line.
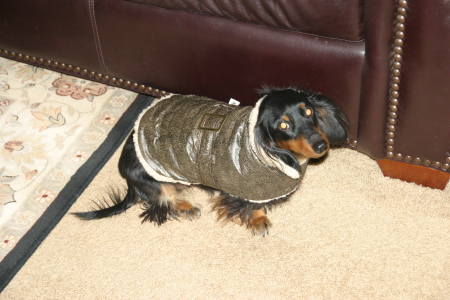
259	222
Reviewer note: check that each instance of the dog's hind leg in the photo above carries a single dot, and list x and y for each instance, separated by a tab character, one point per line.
169	205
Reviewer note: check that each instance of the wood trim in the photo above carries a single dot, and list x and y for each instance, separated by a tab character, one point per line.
414	173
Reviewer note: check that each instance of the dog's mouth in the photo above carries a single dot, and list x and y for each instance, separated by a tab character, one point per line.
302	148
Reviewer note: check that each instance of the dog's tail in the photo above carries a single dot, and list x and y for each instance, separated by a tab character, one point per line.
105	209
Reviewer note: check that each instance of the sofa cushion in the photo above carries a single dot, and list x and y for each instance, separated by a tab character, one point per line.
334	19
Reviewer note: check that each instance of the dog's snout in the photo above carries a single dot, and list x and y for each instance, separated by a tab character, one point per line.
320	146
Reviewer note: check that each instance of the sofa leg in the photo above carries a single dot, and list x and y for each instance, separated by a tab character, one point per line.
414	173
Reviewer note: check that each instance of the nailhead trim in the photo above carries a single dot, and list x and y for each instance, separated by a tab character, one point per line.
395	80
77	71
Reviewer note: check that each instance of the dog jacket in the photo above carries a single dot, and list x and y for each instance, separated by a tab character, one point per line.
197	140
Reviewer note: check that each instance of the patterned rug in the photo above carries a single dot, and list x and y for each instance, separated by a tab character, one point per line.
56	132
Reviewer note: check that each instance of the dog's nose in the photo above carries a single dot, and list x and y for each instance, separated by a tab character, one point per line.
320	146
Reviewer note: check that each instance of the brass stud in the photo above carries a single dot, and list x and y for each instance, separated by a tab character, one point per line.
149	89
396	79
69	67
394	101
390	148
142	87
401	11
401	19
446	166
398	42
417	160
399	34
135	85
400	27
390	142
393	115
393	108
447	159
436	164
403	3
127	83
397	65
392	121
390	154
408	158
390	135
395	87
396	72
33	59
398	50
77	70
391	128
397	57
84	71
398	156
395	94
19	56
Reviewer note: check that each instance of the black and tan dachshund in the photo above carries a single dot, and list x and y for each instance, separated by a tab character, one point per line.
292	126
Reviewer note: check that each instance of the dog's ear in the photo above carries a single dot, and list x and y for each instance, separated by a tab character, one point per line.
265	140
332	119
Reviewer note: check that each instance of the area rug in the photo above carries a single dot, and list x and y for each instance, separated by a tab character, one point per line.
56	132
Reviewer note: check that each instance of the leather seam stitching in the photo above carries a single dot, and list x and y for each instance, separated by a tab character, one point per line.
96	36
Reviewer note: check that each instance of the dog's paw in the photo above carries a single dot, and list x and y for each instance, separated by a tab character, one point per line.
259	224
188	210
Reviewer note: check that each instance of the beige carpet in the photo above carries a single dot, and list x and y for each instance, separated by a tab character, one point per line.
348	233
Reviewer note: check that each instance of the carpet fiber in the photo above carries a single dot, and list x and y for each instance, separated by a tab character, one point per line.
347	233
56	132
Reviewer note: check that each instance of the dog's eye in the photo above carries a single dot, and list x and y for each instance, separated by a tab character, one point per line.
283	125
309	112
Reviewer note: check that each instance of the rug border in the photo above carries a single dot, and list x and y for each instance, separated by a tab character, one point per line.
26	246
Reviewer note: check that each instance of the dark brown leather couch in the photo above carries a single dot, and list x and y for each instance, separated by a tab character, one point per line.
386	62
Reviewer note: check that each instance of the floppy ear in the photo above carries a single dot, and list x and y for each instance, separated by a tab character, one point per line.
332	119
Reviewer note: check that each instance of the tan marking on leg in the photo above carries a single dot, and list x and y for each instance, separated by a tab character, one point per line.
169	193
259	222
184	205
171	196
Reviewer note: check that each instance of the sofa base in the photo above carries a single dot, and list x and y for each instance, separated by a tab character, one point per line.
414	173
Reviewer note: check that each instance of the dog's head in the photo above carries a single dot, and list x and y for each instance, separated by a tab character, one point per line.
294	124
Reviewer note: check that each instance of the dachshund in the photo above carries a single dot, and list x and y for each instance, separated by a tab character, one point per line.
290	127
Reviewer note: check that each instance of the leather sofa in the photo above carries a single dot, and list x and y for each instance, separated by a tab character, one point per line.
386	62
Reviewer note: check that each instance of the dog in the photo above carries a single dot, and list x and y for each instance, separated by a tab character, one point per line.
285	129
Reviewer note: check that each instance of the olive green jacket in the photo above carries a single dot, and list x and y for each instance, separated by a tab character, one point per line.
196	140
